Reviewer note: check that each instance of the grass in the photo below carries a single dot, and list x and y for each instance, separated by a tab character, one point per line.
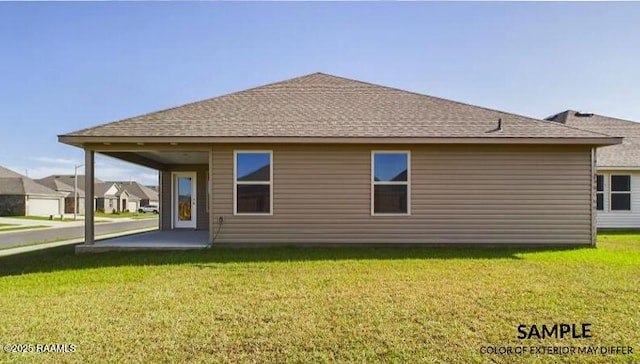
320	304
145	216
42	218
133	215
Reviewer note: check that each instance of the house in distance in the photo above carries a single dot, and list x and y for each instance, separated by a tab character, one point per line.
617	167
22	196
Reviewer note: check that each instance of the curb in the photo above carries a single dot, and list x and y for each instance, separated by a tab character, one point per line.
34	247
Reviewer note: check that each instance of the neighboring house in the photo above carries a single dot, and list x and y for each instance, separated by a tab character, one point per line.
146	195
155	188
59	184
106	197
127	201
22	196
354	162
110	197
70	179
618	168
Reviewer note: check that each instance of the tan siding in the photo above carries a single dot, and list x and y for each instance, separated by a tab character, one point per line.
165	200
459	194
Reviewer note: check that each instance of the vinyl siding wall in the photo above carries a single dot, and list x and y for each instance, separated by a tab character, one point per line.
459	194
608	219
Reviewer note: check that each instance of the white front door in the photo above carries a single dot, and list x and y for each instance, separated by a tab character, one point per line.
184	200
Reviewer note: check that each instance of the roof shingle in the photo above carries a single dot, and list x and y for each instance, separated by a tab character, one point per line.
138	190
321	105
12	183
626	154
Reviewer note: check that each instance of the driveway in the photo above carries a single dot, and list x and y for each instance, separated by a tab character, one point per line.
71	232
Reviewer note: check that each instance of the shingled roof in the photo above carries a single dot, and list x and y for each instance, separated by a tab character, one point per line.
69	180
55	183
138	190
626	154
325	106
12	183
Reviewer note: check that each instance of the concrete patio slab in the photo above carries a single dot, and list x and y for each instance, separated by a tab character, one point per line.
154	240
42	246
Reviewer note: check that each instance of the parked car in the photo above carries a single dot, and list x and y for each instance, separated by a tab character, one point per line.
150	208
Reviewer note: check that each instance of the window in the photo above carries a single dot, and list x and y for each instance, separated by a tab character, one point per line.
620	193
390	183
600	192
253	182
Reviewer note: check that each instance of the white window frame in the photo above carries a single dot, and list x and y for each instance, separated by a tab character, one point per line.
397	183
612	192
603	192
236	183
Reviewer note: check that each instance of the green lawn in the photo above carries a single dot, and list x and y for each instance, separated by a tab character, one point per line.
320	304
41	218
134	215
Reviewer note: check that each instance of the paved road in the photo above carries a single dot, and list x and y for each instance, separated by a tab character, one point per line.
72	232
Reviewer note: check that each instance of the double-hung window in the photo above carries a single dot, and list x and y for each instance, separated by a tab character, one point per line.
253	180
390	183
620	192
600	192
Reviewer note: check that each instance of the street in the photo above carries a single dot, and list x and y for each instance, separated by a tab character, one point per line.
72	232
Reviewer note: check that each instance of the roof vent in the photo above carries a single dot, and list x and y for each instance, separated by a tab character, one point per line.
583	114
498	128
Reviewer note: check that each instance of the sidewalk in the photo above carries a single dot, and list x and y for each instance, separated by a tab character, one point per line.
27	222
34	247
57	223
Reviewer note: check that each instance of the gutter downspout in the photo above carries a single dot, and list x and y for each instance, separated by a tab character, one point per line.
210	201
594	217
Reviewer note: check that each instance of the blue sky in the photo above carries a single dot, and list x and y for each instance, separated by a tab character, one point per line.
67	66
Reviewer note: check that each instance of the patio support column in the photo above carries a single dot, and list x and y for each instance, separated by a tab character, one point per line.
88	196
212	220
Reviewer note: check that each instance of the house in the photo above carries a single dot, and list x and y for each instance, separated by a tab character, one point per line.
105	197
153	187
65	184
127	201
110	197
617	166
59	184
70	180
22	196
350	162
146	195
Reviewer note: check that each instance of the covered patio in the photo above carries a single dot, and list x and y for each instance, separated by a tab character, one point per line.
184	221
152	240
